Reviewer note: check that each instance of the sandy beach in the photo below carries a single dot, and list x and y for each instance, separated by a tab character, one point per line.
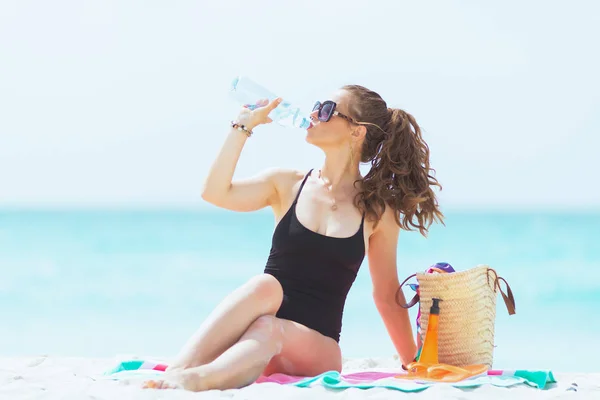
56	378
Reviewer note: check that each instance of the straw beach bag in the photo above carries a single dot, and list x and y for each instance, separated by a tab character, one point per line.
467	311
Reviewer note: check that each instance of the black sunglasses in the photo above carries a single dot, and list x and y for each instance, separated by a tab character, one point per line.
327	110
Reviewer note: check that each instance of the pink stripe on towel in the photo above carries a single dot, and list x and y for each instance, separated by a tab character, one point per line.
357	377
280	378
369	376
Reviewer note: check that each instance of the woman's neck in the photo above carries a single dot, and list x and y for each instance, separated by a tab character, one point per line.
339	169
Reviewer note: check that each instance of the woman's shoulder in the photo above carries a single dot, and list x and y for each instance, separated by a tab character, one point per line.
285	179
286	182
387	222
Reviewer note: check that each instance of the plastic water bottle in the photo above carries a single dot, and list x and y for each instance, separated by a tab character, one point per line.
247	92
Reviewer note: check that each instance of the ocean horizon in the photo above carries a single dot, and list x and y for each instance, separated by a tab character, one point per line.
103	282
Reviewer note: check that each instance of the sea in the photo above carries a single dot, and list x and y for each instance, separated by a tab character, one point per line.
105	283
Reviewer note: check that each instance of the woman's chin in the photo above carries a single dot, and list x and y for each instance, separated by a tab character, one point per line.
311	139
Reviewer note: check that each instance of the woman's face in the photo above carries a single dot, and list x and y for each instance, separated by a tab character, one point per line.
335	132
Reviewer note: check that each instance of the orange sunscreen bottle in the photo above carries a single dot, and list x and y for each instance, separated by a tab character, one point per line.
429	353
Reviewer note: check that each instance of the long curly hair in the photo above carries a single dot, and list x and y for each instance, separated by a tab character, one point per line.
400	176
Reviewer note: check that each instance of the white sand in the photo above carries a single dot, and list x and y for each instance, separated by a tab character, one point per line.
56	378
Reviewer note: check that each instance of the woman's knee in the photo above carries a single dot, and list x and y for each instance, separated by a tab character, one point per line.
267	290
267	330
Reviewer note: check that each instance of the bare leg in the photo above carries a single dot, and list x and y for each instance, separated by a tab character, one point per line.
262	295
271	344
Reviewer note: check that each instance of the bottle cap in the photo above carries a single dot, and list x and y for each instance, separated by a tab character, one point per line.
435	308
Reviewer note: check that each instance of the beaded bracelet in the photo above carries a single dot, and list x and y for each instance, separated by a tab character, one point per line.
242	128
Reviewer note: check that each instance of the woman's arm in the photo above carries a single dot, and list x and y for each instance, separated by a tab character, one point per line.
243	195
384	275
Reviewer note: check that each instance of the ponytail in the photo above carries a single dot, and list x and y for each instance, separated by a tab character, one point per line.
400	175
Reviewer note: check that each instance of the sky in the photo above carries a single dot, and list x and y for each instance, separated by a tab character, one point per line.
125	104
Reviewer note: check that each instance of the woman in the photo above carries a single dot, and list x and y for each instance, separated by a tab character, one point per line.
288	319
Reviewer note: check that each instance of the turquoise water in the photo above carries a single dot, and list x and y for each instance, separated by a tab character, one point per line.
105	283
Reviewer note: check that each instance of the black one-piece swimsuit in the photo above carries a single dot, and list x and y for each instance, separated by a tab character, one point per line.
315	271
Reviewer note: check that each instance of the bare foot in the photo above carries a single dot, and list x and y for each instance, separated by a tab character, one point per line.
161	384
176	379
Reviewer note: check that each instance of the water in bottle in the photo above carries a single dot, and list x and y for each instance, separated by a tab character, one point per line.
247	92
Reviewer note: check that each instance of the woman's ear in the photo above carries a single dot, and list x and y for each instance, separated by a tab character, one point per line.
360	132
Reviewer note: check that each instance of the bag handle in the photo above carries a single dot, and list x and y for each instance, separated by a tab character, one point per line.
413	301
508	297
509	300
416	298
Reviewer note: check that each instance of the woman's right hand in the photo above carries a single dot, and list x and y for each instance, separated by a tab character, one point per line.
259	115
